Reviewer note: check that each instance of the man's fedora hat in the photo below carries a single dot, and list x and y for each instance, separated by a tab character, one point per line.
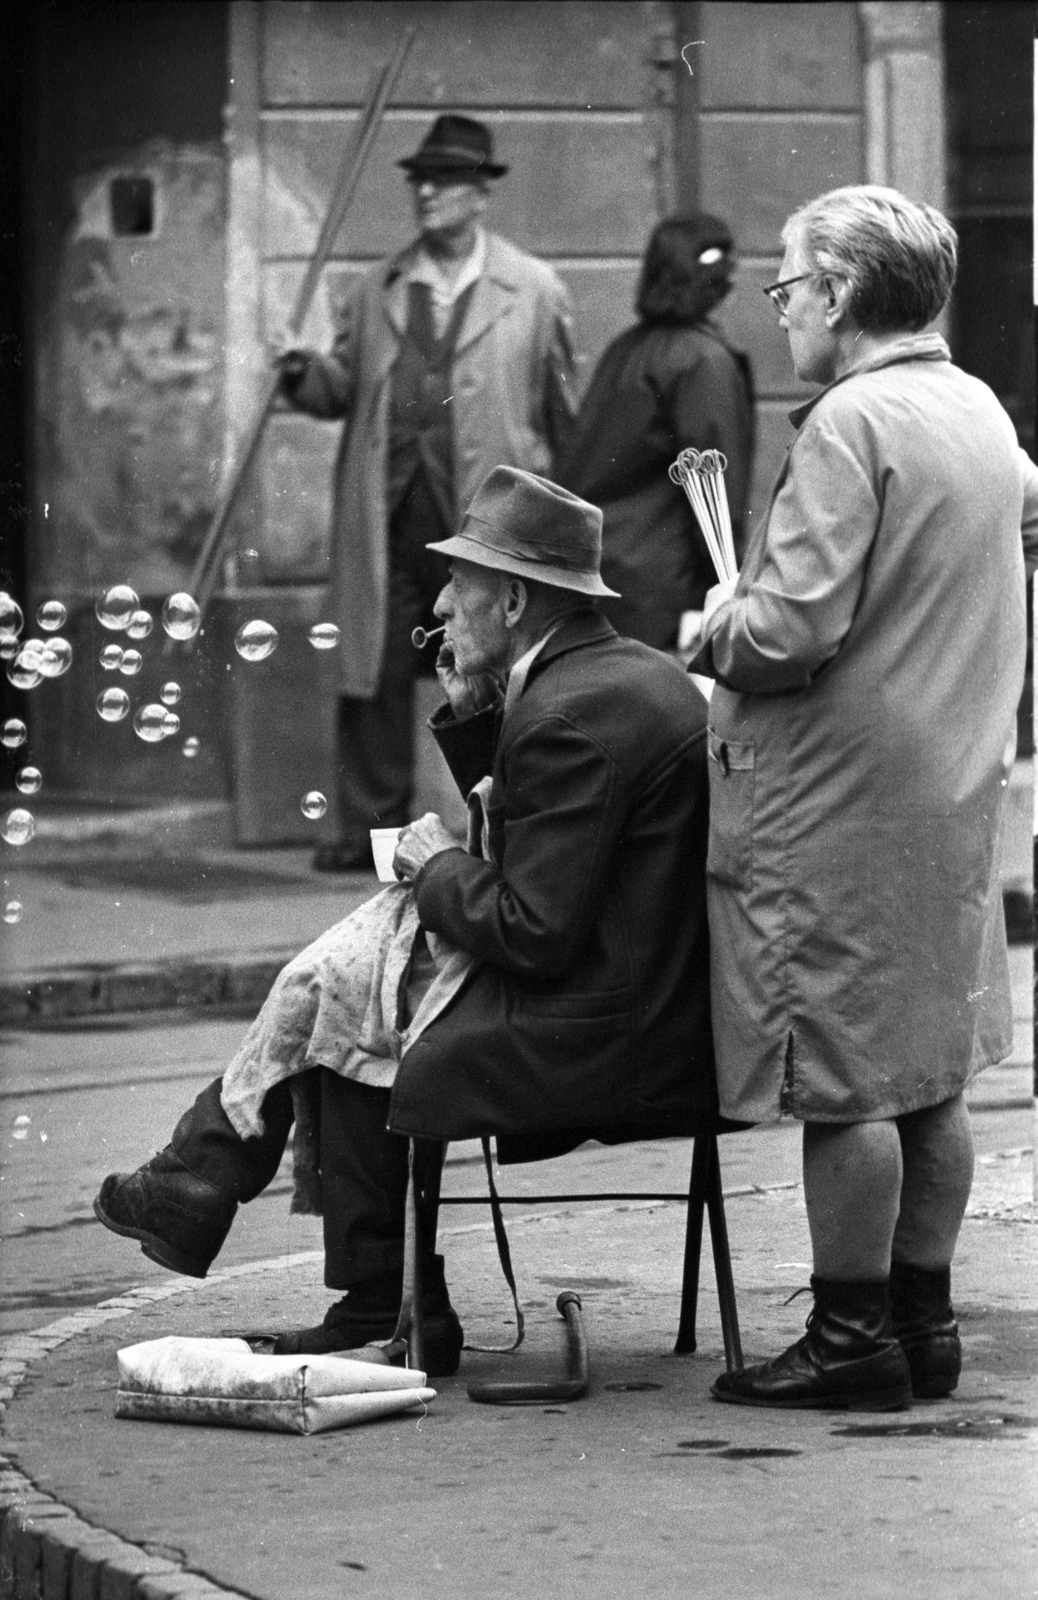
456	144
520	523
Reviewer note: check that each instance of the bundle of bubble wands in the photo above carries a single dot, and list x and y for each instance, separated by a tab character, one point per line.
701	474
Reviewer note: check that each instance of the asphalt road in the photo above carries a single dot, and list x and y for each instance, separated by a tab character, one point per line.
104	1098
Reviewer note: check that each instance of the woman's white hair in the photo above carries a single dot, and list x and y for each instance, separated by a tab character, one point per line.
898	255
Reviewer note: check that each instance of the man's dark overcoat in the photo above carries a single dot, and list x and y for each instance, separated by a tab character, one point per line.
589	1014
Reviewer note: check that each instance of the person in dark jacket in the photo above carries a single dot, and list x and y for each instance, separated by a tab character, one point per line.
583	1007
450	357
671	382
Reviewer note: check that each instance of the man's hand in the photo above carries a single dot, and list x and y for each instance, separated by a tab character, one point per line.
290	366
466	695
419	843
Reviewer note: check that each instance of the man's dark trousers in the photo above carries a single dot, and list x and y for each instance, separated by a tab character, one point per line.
363	1171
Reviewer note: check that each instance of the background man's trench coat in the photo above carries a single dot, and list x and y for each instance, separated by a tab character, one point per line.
512	405
861	735
589	1014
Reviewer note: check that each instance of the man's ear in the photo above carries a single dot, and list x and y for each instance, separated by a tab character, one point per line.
838	293
516	600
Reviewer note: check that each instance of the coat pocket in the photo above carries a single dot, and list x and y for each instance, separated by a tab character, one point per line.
730	853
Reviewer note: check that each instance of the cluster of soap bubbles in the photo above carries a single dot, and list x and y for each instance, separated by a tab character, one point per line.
21	1127
118	609
29	661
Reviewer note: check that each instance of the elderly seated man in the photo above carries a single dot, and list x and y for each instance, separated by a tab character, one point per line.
547	985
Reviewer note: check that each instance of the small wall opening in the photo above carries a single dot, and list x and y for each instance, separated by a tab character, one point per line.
132	205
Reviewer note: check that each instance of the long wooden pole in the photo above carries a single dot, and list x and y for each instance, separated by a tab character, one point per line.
205	575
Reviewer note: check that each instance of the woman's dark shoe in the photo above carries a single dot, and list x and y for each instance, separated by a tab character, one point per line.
180	1220
848	1360
925	1327
368	1314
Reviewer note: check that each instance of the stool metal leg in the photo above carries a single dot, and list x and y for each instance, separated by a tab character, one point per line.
723	1265
685	1343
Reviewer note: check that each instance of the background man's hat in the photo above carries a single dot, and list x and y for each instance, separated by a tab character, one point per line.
520	523
456	144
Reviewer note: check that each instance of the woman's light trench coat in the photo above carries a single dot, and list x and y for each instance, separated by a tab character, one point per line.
861	736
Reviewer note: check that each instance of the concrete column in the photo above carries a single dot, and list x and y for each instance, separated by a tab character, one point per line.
245	358
904	97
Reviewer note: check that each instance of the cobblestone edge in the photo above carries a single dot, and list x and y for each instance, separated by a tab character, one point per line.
47	1552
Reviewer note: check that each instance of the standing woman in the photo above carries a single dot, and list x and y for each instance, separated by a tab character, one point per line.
671	381
869	661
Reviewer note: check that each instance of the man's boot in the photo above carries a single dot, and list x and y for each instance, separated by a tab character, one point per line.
180	1220
925	1327
847	1360
368	1313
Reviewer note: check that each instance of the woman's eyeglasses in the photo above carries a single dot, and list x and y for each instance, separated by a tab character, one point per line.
778	293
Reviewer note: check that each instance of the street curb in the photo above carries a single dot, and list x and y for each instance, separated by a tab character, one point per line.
47	1552
219	980
211	982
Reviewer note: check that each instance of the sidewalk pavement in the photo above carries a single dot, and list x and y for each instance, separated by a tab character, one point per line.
647	1487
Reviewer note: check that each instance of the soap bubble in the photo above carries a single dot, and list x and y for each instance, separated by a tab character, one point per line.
112	705
255	641
191	747
116	606
19	826
21	1127
149	723
14	733
39	656
181	617
28	780
324	635
56	658
170	725
11	618
111	657
51	616
131	663
139	625
13	911
313	805
170	694
24	669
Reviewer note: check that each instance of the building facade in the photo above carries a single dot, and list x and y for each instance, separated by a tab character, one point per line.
173	217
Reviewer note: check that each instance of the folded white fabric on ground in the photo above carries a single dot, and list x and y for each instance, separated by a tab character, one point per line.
223	1383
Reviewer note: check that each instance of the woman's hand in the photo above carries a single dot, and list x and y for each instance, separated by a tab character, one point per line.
717	596
467	695
419	843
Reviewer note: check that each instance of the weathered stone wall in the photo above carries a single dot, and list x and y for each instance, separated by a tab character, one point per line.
776	91
133	391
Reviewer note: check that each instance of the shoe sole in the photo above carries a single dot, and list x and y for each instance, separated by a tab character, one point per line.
880	1400
153	1247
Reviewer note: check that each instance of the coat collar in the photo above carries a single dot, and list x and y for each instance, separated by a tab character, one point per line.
910	347
584	628
492	296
